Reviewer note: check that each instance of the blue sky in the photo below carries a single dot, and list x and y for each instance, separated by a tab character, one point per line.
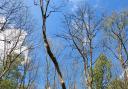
55	25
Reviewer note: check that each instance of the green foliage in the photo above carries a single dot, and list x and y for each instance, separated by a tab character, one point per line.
15	61
102	72
7	84
13	75
118	84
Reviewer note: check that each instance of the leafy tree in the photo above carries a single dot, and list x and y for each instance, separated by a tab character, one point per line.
118	84
11	78
13	62
102	72
6	84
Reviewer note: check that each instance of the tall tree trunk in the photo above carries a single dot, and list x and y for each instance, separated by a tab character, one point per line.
46	43
91	70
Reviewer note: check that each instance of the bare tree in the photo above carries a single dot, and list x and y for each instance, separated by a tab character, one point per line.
44	6
83	27
116	30
14	48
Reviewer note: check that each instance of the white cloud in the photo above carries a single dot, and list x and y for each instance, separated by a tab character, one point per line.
13	39
74	3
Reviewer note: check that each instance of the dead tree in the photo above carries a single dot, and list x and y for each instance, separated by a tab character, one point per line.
44	5
116	30
82	29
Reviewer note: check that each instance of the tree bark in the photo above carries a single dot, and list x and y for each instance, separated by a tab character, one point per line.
46	43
